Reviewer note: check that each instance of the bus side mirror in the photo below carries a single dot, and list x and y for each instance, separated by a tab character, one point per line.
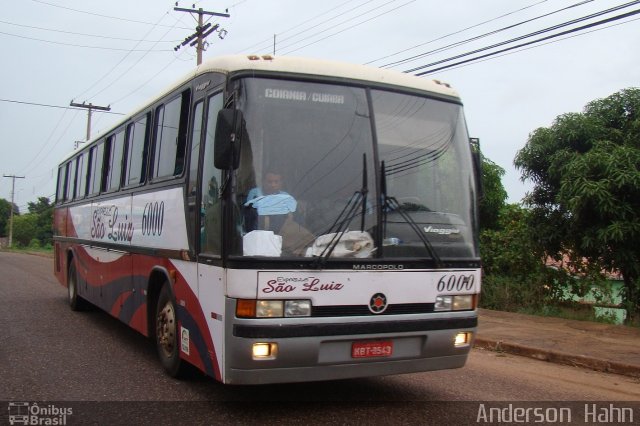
229	133
477	165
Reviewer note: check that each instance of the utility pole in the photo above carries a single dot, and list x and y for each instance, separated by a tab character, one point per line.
202	30
90	108
13	190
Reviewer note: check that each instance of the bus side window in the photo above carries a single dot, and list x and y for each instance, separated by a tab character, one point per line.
196	134
106	163
81	186
170	137
95	166
211	237
116	144
71	180
135	167
64	178
61	185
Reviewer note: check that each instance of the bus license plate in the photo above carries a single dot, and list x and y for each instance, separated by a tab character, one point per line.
371	349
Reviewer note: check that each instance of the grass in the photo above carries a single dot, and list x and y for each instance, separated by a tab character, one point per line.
38	251
577	312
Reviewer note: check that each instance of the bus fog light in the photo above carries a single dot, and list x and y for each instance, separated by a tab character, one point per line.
297	308
462	303
269	309
462	339
443	303
264	350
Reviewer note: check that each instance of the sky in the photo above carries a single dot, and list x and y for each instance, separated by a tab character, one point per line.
121	53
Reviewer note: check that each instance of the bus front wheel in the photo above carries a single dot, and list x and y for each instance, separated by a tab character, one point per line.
76	302
167	333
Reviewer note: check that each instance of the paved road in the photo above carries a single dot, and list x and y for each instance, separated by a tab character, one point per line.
49	353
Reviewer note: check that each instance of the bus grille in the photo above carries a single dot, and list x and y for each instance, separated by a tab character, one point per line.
363	310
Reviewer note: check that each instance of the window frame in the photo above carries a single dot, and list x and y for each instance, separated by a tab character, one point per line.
185	97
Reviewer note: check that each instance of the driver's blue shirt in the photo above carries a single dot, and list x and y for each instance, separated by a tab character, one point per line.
271	204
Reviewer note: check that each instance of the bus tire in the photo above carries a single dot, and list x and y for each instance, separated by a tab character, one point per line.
76	302
166	325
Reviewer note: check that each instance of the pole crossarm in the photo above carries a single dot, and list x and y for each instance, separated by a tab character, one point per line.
90	107
204	12
202	30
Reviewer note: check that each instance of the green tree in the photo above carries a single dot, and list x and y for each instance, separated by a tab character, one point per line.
5	212
43	209
25	228
509	250
586	196
495	195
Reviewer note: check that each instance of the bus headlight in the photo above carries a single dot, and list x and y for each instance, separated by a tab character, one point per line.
269	309
297	308
464	302
263	308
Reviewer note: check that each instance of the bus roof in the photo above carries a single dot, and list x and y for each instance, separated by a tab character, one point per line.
292	65
323	68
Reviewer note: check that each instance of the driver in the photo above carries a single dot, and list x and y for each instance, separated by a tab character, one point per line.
271	204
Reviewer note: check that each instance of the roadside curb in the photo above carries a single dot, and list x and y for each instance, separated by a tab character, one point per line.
582	361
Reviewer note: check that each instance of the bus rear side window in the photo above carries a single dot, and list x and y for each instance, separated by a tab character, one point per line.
81	186
71	180
96	157
170	137
116	144
61	184
137	142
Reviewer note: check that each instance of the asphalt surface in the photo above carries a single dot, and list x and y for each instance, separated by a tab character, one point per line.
106	373
601	347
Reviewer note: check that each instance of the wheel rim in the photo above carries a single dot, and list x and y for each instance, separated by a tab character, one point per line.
166	329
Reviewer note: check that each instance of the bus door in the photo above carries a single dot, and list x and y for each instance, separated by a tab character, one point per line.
206	217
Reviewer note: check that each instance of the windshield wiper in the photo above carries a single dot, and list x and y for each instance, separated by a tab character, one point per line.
389	204
341	224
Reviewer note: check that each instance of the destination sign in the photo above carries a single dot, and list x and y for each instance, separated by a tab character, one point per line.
303	96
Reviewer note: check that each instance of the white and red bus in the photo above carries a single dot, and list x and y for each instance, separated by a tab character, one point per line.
278	219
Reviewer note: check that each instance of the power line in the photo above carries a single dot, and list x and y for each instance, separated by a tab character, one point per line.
348	28
99	15
50	106
79	45
146	82
84	34
460	43
339	15
33	158
591	25
545	30
309	20
453	67
64	132
123	59
456	32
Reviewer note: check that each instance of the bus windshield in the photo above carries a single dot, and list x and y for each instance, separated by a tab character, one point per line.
333	171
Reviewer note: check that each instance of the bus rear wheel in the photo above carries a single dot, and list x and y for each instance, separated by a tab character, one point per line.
76	302
167	342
